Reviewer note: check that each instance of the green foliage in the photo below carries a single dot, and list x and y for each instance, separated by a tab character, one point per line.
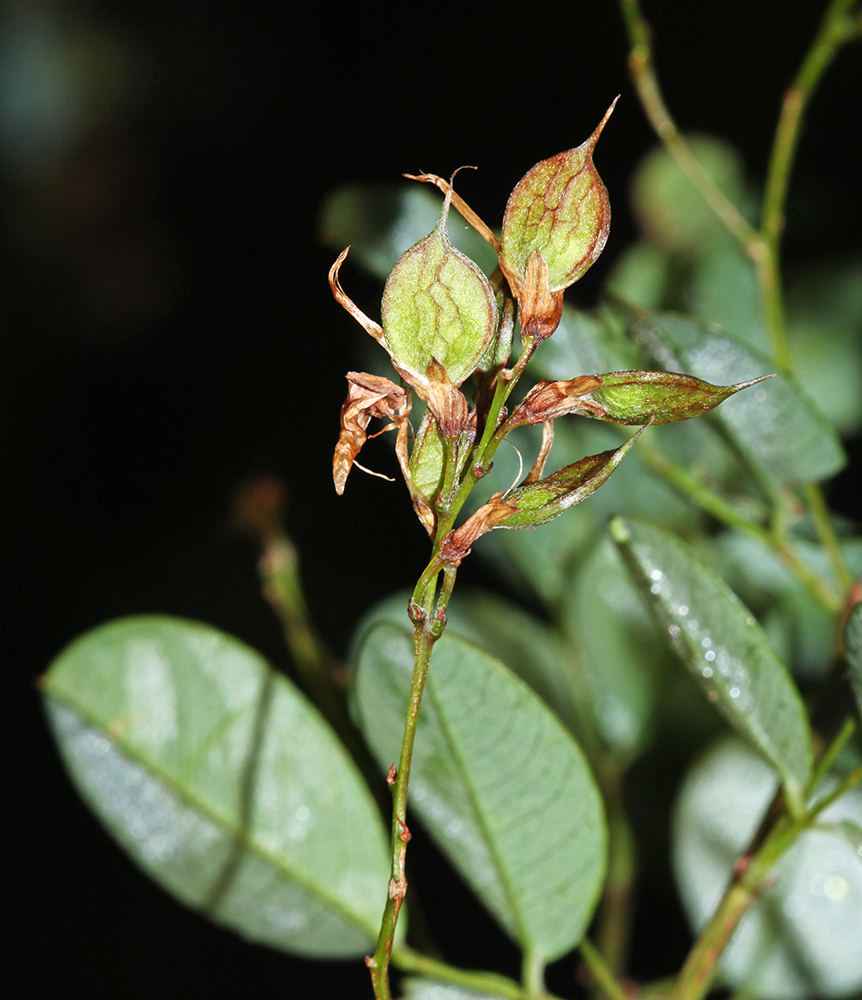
497	781
794	943
508	735
221	781
723	646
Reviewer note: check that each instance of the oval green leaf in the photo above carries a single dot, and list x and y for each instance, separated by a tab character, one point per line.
801	939
776	426
723	646
222	783
497	780
620	650
529	648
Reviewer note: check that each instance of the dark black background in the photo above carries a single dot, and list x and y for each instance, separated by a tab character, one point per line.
168	332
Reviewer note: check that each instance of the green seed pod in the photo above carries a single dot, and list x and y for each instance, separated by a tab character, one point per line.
539	502
561	210
438	306
662	397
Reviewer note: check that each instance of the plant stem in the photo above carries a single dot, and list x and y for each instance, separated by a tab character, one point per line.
713	503
614	919
828	539
492	983
830	755
533	974
748	882
601	970
835	29
399	782
764	245
645	80
848	782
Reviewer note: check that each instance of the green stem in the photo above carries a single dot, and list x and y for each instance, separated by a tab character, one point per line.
614	919
850	781
645	80
533	974
700	966
601	970
707	499
750	879
835	30
279	573
826	533
491	983
764	245
399	780
830	755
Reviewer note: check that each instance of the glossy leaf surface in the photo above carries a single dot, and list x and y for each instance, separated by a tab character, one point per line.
621	652
222	782
496	779
776	425
801	939
722	645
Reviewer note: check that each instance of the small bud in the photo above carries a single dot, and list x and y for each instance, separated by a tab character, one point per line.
661	397
437	307
539	502
560	211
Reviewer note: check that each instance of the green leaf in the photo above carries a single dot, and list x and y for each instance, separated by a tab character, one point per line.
723	646
529	647
800	941
853	650
824	319
498	782
640	274
777	427
801	630
220	780
620	650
